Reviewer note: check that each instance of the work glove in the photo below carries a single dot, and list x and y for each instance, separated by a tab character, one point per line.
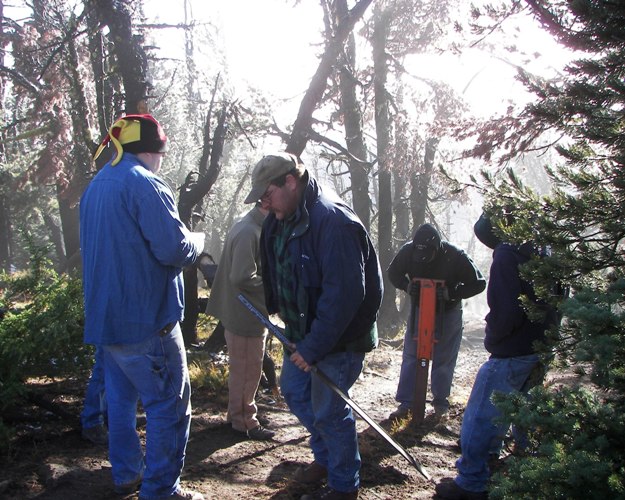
442	293
413	289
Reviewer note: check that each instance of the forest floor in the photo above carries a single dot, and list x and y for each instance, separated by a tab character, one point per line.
49	460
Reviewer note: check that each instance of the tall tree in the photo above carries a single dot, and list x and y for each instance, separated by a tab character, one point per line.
357	162
383	124
5	219
195	188
128	50
397	29
302	127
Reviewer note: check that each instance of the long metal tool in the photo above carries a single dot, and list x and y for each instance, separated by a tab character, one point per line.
337	390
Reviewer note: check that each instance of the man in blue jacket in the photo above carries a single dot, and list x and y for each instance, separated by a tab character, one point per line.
511	338
133	248
322	275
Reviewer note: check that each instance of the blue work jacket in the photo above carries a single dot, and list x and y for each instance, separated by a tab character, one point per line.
133	247
336	275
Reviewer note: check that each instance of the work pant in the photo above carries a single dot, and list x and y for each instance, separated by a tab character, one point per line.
154	370
443	364
245	356
482	429
328	418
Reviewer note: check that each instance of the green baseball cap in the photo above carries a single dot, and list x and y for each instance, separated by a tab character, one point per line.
270	168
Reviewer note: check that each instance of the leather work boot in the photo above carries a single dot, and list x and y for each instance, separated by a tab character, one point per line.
260	434
441	414
400	413
97	435
327	493
311	474
128	488
451	491
184	494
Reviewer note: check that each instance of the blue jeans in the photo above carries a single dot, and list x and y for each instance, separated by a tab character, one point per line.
330	421
482	431
154	370
94	406
443	363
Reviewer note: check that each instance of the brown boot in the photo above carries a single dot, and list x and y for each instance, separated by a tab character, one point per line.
311	474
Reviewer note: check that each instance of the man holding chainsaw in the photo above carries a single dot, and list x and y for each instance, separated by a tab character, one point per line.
322	275
427	256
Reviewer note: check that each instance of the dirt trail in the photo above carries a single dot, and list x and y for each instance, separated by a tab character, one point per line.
53	462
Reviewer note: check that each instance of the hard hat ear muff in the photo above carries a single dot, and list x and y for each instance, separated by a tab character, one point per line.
123	131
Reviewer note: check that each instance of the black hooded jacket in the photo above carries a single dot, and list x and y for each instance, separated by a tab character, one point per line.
451	264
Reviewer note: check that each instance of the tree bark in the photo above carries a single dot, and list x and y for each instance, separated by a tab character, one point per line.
388	311
5	220
358	165
129	53
420	183
401	207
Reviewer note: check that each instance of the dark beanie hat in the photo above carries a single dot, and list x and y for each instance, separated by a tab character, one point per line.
483	229
134	134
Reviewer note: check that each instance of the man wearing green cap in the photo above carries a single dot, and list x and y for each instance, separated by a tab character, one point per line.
322	275
133	248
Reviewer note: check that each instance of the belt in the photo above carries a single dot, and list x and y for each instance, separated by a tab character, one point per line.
166	329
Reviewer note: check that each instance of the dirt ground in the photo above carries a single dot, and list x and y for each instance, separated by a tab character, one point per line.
51	461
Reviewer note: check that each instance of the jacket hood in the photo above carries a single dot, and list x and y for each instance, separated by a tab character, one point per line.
428	236
483	229
425	244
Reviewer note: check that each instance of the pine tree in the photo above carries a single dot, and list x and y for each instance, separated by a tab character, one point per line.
577	427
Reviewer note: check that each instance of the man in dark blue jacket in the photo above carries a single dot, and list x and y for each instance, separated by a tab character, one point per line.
511	338
322	275
428	256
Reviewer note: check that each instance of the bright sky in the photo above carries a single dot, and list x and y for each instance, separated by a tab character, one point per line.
273	45
268	43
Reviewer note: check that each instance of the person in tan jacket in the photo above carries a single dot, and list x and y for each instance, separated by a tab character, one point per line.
239	273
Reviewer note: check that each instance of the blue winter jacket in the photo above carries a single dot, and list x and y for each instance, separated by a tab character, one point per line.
509	331
336	275
133	247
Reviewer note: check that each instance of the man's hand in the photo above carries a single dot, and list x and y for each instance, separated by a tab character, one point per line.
413	289
442	293
300	362
198	240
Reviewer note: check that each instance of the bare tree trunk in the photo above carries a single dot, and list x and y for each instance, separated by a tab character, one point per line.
70	224
5	220
401	208
56	235
303	123
420	183
388	311
96	56
352	117
191	194
79	162
128	51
